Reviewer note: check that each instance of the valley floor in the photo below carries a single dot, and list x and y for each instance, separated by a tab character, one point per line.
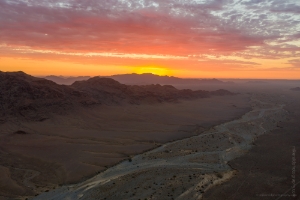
68	148
211	165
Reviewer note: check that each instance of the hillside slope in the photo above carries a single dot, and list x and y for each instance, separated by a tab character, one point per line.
36	98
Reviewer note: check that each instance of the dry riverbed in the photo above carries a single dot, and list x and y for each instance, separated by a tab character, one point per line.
183	169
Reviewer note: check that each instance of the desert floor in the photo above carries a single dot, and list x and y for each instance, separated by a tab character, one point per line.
271	169
218	163
40	156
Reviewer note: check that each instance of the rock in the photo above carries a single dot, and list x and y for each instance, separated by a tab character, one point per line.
31	97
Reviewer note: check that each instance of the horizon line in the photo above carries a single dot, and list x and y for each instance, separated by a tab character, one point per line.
66	76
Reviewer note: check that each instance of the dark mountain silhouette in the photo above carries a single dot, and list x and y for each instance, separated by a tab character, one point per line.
140	79
145	79
107	90
31	97
22	94
65	80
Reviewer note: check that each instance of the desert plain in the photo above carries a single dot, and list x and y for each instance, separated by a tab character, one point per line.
221	147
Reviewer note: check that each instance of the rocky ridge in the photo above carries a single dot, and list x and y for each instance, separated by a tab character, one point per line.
32	97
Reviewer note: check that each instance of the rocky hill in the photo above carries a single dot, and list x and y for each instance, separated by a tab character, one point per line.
31	97
142	79
65	80
146	79
25	95
108	91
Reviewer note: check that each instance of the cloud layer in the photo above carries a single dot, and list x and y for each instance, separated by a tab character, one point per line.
188	29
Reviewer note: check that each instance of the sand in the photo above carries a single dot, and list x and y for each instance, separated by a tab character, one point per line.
184	169
72	147
266	171
201	149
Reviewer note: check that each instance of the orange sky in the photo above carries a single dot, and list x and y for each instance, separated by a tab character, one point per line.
197	39
40	67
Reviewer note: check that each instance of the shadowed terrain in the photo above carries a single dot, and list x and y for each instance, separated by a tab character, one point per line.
141	79
31	97
147	141
183	169
53	134
271	169
217	163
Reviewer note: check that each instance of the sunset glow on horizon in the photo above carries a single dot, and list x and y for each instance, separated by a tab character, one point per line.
153	70
190	39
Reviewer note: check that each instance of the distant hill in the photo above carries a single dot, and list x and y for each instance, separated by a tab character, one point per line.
140	79
256	82
296	89
22	94
146	79
35	98
108	90
65	80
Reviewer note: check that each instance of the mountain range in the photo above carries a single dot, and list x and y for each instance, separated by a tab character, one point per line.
34	98
139	79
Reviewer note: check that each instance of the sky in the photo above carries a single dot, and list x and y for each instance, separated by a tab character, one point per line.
183	38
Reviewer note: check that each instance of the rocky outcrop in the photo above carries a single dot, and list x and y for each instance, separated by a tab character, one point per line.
142	79
109	91
25	95
148	78
31	97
